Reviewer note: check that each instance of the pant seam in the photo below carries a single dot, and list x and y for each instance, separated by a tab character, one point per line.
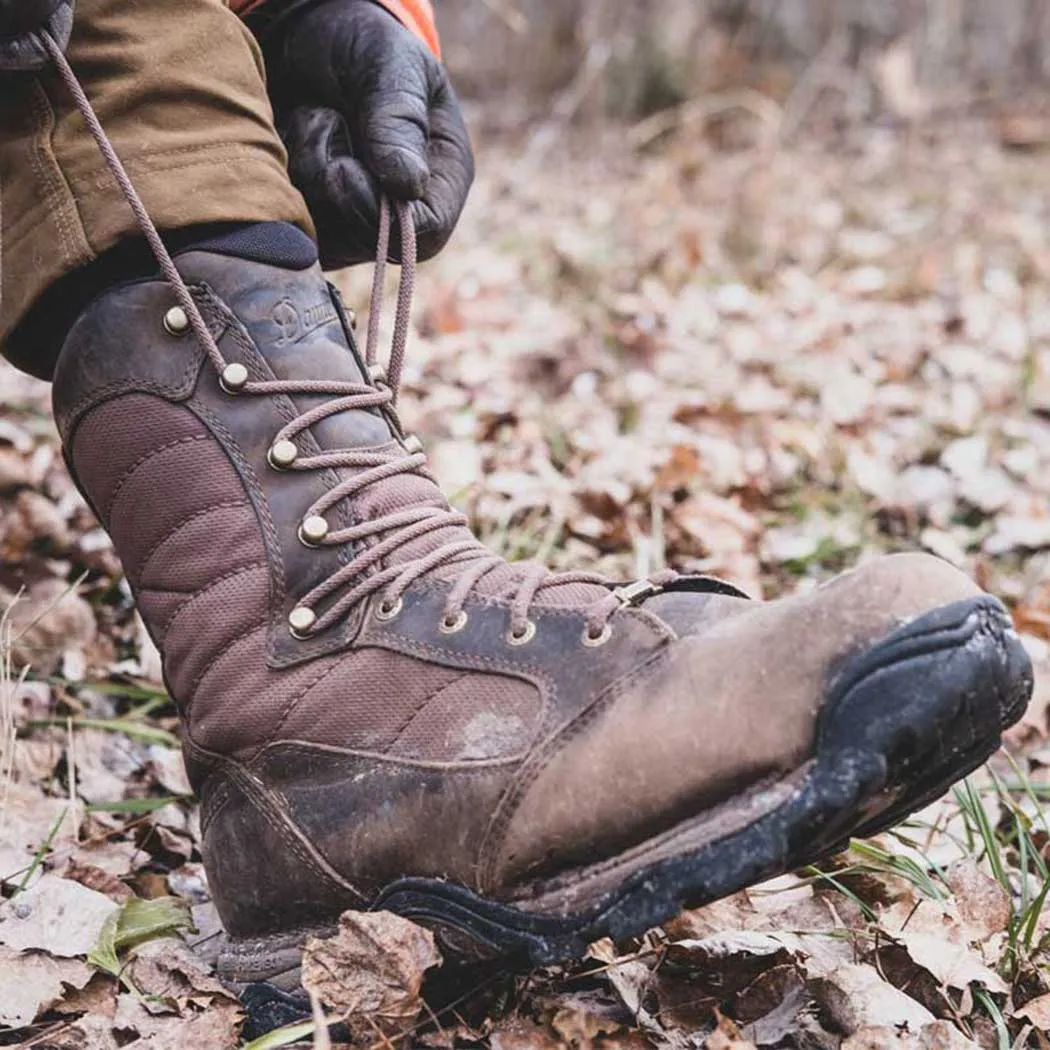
90	184
48	169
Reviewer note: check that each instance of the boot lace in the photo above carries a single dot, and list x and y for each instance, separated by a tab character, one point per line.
368	572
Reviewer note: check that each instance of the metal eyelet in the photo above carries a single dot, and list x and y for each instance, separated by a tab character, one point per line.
300	620
313	530
176	321
388	610
592	641
524	637
282	455
454	625
412	445
376	374
234	378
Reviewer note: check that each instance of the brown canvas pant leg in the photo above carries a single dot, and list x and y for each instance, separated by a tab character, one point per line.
178	86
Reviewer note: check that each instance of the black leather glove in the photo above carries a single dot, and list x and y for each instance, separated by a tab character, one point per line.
20	24
366	109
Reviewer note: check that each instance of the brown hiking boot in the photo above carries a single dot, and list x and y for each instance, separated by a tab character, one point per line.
380	713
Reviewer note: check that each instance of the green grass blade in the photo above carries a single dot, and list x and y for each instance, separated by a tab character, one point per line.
136	805
136	730
282	1036
45	847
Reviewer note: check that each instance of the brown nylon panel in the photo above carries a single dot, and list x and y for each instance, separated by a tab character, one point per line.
244	702
156	609
186	559
475	717
367	701
213	619
113	437
203	476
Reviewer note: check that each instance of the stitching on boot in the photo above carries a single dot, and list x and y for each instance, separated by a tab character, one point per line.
278	582
70	417
289	830
541	756
255	792
251	482
419	709
387	638
183	524
464	769
295	698
290	833
205	591
246	637
145	458
180	390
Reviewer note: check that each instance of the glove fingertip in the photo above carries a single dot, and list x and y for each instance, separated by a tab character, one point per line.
403	174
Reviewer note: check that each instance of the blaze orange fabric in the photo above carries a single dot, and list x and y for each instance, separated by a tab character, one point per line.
418	15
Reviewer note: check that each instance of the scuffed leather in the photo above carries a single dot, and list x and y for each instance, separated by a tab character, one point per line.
21	49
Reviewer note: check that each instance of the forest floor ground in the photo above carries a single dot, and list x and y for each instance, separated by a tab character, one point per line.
763	364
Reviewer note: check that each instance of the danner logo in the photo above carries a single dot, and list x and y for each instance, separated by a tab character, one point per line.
295	325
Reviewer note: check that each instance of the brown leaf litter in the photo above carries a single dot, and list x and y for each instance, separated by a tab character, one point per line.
759	365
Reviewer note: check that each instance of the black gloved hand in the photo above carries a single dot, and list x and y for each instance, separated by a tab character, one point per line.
366	109
21	22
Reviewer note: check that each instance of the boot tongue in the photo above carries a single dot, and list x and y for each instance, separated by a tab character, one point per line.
292	317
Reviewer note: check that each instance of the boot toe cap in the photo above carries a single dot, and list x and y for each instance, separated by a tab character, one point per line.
723	710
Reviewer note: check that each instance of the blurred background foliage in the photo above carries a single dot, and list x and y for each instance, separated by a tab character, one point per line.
787	62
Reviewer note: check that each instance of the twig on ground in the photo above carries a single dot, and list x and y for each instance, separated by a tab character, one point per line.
700	110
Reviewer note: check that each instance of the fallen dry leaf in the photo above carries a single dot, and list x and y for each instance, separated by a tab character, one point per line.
55	915
215	1028
984	906
1038	1012
371	972
726	1036
519	1034
938	1035
28	817
91	1032
97	997
584	1020
167	969
31	982
856	997
47	622
937	939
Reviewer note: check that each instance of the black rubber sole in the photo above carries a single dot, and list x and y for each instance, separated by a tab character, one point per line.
901	724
